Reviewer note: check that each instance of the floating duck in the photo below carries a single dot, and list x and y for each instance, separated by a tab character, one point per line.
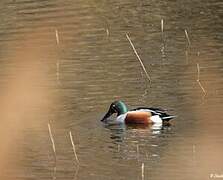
140	115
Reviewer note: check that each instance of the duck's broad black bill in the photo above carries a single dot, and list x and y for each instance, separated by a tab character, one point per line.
108	114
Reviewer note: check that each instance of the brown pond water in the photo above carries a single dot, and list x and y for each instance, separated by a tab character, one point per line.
64	62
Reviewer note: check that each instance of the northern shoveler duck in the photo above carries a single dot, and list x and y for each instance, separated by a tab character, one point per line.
141	115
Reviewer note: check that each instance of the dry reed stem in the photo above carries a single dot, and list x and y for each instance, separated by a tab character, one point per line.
188	39
162	27
142	171
52	140
107	32
198	79
58	70
74	150
118	147
194	155
58	65
54	172
76	172
162	49
137	55
194	149
58	62
137	150
57	37
186	54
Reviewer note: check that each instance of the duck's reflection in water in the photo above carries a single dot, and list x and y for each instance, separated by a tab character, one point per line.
139	141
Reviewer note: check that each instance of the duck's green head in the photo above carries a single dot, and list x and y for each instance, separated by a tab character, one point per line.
118	107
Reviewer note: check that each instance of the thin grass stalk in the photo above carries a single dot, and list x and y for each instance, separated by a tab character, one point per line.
58	70
194	152
137	151
186	54
52	140
187	36
76	172
118	147
194	149
162	26
142	168
58	62
57	37
137	55
162	48
54	172
73	146
198	79
107	32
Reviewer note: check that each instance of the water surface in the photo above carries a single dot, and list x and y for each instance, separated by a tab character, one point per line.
64	62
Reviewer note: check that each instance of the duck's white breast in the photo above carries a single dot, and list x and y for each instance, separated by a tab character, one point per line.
121	118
